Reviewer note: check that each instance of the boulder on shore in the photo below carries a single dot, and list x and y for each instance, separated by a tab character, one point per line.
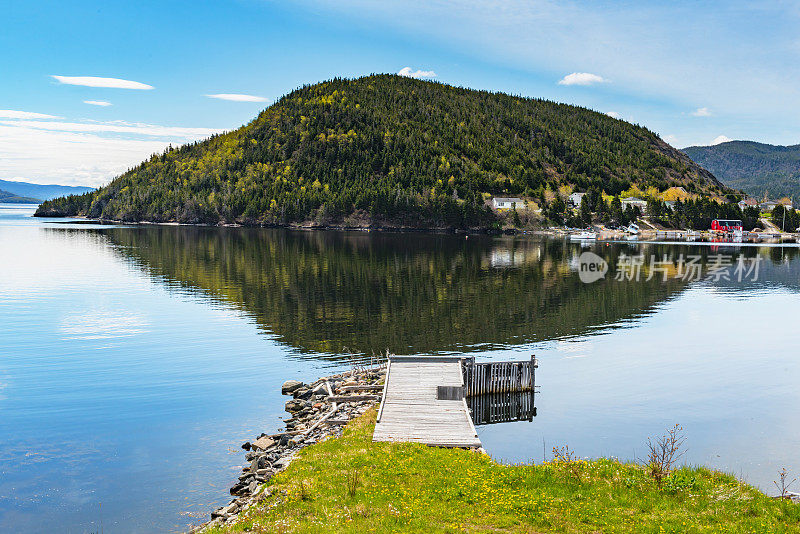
296	405
289	386
263	443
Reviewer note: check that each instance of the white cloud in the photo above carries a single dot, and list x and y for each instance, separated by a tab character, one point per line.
720	139
406	71
581	78
671	139
97	103
613	114
701	112
12	114
667	53
83	153
235	97
95	81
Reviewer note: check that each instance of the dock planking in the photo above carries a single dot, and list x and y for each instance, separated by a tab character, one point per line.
411	409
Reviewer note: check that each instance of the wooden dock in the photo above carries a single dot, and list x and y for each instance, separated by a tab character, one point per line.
414	406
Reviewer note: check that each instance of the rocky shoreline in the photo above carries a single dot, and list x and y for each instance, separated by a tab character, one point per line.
319	411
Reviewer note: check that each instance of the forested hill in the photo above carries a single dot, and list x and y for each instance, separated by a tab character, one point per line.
756	168
11	198
389	149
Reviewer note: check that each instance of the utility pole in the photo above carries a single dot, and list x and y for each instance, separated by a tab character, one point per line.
783	225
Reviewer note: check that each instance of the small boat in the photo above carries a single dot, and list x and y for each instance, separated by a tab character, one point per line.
583	236
632	228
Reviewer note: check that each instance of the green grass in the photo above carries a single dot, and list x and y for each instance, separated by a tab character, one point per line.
350	484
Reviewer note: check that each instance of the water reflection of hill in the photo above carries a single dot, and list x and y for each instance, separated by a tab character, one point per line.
409	293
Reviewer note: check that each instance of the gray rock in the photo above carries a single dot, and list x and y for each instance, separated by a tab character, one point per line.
263	443
295	405
290	386
301	393
238	489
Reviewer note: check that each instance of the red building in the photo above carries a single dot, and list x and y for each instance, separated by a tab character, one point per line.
726	226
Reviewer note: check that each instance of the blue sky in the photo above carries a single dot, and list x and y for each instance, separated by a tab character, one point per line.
694	72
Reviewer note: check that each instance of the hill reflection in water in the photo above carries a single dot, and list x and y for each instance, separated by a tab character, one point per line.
328	293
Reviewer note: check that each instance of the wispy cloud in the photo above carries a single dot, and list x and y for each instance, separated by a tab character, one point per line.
613	114
407	71
720	139
236	97
97	103
701	112
96	81
581	78
13	114
121	127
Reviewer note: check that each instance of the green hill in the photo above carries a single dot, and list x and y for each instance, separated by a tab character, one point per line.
388	150
756	168
11	198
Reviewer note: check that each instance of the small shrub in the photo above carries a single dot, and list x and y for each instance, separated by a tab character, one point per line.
664	452
353	480
564	456
783	486
303	491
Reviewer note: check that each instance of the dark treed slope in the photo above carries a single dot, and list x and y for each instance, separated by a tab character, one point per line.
756	168
393	150
12	198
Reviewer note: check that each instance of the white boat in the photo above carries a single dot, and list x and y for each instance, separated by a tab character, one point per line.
632	228
583	236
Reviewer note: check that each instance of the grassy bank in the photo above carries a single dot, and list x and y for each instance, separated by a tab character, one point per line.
353	485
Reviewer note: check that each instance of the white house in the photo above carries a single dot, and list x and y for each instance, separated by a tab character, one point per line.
508	203
575	199
635	202
748	203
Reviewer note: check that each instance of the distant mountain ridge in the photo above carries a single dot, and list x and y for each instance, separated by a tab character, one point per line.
40	192
756	168
11	198
390	151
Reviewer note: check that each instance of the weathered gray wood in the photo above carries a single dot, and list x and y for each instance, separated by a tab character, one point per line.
374	387
411	410
498	377
353	398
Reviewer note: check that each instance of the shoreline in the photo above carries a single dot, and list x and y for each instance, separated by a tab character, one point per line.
663	236
318	411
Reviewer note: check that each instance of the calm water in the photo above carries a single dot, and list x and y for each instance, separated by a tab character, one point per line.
135	360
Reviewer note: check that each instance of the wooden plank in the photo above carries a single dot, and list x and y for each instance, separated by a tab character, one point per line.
352	398
385	386
374	387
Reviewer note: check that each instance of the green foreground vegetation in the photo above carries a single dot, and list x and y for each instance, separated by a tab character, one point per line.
351	484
